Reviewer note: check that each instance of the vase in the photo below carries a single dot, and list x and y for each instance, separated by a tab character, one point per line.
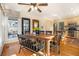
37	32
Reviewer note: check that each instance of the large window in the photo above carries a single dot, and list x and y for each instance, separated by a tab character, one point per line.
12	28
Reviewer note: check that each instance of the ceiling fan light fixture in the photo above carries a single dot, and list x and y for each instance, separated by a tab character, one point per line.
31	6
35	8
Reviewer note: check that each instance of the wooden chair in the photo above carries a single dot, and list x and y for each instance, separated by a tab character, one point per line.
48	32
55	44
22	42
41	32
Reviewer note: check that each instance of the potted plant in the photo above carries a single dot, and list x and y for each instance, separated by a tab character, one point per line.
36	30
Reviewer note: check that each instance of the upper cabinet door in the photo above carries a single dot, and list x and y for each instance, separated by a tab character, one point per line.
25	25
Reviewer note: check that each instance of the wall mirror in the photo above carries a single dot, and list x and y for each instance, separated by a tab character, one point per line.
35	25
25	25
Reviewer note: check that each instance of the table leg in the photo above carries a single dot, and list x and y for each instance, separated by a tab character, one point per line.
47	48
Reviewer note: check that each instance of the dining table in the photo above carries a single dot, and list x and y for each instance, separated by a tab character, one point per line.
46	38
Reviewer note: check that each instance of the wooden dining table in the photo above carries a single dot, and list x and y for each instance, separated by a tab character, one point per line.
46	38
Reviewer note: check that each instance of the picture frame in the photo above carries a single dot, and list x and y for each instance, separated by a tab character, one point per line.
35	24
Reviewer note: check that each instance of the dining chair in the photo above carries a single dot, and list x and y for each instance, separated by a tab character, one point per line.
55	44
22	42
48	32
41	32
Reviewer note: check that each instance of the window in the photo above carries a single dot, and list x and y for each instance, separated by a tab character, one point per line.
12	28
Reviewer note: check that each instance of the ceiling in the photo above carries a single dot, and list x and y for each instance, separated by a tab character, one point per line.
53	10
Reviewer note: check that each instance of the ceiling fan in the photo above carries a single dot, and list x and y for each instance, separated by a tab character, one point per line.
34	5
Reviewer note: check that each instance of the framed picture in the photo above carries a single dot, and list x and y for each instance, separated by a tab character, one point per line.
35	24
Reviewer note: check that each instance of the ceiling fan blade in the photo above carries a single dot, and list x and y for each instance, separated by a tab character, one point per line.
23	4
43	4
39	10
29	10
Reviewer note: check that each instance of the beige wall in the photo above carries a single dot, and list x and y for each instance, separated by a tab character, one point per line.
47	24
74	19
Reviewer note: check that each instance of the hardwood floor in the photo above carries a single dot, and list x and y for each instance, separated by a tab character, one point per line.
12	49
69	47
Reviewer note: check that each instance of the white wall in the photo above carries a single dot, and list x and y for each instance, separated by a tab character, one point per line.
1	32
